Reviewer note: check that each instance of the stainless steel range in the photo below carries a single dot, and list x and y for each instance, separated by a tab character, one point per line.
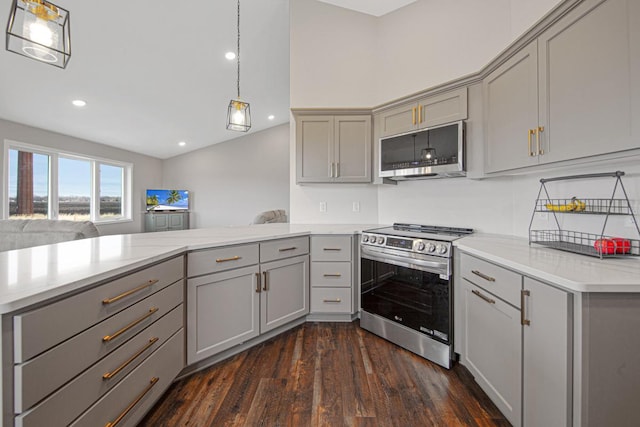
406	287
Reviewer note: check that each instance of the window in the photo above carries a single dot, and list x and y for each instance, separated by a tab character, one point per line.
44	183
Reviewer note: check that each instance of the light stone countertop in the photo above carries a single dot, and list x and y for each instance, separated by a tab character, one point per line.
33	275
574	272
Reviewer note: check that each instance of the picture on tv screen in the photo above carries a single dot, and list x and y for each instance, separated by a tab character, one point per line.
167	200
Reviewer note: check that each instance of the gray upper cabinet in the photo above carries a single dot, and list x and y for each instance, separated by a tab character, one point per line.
570	94
511	110
333	148
428	111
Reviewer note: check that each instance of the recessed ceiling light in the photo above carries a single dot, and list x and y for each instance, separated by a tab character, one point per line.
79	102
230	56
182	143
271	117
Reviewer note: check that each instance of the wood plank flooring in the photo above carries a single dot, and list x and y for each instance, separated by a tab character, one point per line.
326	374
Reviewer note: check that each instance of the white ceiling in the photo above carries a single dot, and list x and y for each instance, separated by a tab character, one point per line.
154	73
371	7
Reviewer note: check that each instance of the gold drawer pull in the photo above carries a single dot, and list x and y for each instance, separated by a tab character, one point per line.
266	284
484	276
116	371
115	422
538	130
233	258
333	275
132	291
292	248
331	249
332	300
487	299
108	338
420	114
258	283
530	153
523	315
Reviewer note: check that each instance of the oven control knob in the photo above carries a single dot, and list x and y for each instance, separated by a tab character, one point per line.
442	249
380	240
365	238
421	246
431	247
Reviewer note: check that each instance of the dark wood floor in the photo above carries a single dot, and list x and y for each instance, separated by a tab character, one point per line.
326	374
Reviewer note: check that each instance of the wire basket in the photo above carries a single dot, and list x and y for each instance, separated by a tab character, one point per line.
584	206
595	245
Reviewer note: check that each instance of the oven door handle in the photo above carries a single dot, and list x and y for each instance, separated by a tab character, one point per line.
439	267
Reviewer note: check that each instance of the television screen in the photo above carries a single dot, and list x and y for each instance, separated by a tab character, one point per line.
167	200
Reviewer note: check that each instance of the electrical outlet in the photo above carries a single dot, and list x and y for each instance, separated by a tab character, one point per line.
356	206
323	206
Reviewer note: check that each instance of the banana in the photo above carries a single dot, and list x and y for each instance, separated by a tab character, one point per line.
575	205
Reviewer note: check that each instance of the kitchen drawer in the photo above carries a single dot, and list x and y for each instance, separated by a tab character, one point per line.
330	248
331	300
83	391
41	329
499	281
41	375
331	274
283	248
138	391
221	259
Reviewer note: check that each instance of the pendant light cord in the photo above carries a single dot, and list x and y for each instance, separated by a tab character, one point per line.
238	80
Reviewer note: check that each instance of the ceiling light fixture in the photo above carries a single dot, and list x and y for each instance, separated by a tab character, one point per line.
230	56
39	30
239	113
271	117
182	143
79	102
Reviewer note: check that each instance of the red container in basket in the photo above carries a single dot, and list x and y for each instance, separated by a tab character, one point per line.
614	245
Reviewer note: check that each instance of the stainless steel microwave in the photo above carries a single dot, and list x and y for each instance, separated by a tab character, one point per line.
435	152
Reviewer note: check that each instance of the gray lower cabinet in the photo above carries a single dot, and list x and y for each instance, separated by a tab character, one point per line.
166	221
570	94
333	148
519	352
230	302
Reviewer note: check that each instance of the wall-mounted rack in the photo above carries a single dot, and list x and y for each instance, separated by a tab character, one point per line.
598	245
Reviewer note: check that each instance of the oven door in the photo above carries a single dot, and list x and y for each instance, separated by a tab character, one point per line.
412	292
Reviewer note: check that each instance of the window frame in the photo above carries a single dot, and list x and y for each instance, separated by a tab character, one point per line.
95	162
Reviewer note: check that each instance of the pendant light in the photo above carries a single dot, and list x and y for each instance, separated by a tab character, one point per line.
39	30
239	113
428	153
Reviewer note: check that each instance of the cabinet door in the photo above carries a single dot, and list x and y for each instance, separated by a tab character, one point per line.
161	222
444	108
547	378
493	344
511	111
352	148
285	292
314	148
398	120
585	82
176	221
222	311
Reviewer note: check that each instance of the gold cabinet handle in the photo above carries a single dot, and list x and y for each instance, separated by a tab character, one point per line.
108	338
420	114
266	285
331	249
484	276
332	275
116	371
233	258
538	130
523	315
129	292
132	405
530	153
487	299
258	285
332	300
413	115
292	248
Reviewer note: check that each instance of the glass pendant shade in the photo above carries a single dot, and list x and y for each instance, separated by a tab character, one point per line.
239	116
39	30
428	153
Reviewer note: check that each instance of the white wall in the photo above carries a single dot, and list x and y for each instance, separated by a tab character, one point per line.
231	182
147	171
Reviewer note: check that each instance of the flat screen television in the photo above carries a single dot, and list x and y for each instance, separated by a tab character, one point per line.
167	200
